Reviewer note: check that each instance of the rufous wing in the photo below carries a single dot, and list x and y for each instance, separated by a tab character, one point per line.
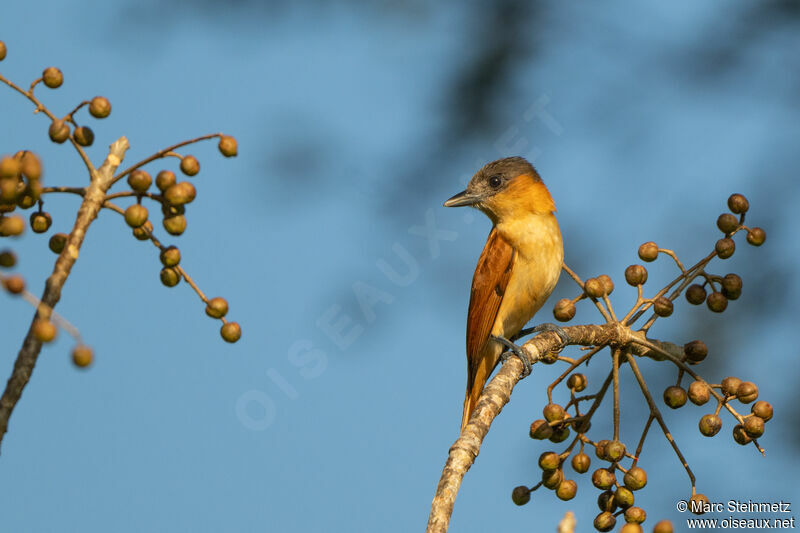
488	287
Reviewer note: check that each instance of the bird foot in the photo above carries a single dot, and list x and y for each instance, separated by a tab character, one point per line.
516	350
541	328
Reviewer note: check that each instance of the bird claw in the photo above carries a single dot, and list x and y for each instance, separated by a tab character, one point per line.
547	326
516	350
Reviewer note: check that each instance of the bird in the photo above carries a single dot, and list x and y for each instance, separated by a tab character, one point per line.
517	270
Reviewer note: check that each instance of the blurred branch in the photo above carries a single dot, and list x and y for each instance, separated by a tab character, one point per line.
93	199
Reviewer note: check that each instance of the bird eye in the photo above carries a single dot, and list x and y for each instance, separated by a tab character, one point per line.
495	181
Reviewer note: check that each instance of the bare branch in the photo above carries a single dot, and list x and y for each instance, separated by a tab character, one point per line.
92	201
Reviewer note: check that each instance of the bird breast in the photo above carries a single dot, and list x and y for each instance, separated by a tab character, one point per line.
535	272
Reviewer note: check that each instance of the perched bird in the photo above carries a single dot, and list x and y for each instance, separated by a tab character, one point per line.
518	268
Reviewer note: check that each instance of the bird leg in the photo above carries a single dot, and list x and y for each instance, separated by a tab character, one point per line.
547	326
516	350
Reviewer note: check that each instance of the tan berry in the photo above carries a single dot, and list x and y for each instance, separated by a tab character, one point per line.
540	430
600	449
762	410
82	356
577	382
738	204
717	302
31	166
521	495
144	231
170	276
635	515
52	77
190	165
699	393
740	435
175	225
551	479
553	412
754	427
675	397
695	294
566	490
231	332
181	193
608	284
727	223
170	256
698	504
605	501
756	236
139	180
636	275
100	107
59	131
615	450
695	351
564	311
725	247
136	215
40	222
10	167
635	478
605	521
648	251
14	284
560	434
662	306
549	461
217	307
83	135
581	463
710	425
7	259
594	288
731	286
165	179
623	497
57	242
227	146
44	330
603	479
665	526
730	385
11	226
747	392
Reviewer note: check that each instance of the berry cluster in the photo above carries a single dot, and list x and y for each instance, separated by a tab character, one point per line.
21	188
616	479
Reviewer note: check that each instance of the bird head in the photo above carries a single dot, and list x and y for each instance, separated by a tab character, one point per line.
504	189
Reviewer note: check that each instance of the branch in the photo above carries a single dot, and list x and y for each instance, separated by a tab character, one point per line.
93	199
498	392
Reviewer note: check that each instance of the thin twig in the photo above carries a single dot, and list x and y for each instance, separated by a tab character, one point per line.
162	153
41	107
578	280
654	412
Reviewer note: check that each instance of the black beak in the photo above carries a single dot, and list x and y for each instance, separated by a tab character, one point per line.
461	199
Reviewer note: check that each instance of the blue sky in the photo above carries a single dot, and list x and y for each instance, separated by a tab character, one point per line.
338	111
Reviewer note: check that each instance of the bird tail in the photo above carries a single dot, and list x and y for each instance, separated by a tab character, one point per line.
477	377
